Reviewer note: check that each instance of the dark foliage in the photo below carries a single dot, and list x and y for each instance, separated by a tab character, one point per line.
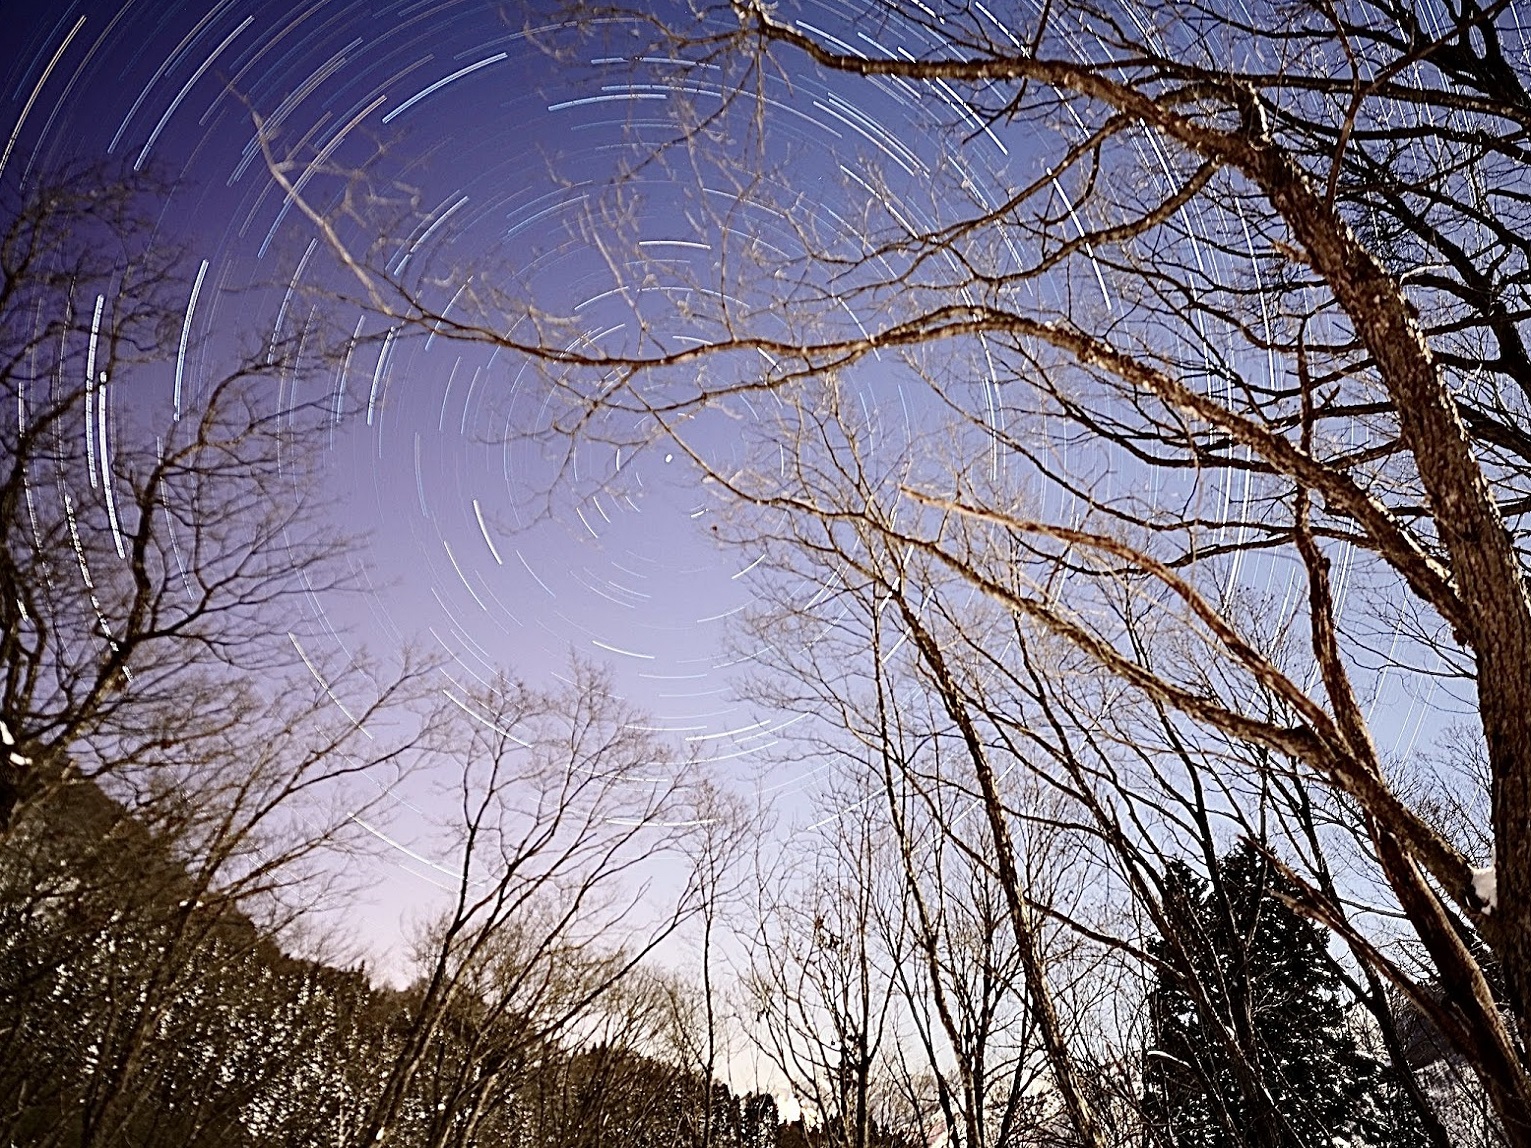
1251	1043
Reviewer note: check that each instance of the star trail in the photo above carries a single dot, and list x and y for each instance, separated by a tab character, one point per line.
506	163
506	147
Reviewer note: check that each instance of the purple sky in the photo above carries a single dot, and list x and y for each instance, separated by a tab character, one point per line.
510	149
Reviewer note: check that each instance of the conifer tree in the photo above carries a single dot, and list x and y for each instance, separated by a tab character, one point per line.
1251	1035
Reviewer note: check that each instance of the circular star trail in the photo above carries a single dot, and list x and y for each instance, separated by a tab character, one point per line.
576	187
512	169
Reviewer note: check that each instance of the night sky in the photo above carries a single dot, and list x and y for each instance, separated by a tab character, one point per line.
543	158
510	144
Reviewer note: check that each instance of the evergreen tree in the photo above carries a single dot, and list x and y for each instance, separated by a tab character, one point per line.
1251	1039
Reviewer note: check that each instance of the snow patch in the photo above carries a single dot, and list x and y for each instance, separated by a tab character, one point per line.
1486	888
5	733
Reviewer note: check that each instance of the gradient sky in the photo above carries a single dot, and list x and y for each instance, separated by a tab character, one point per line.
505	148
508	130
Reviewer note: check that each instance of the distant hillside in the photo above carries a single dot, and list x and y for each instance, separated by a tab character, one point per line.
140	1004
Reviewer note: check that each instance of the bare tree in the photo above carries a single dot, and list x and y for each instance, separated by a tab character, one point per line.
567	813
178	774
820	981
158	524
974	964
